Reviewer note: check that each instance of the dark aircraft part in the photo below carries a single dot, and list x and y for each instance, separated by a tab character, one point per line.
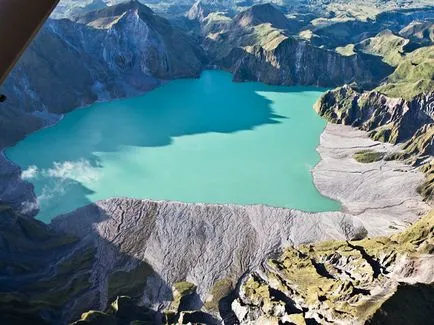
20	20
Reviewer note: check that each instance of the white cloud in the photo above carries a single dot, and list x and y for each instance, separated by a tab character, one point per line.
28	206
30	173
81	171
55	180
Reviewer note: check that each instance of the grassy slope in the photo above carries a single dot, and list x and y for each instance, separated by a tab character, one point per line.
414	75
336	278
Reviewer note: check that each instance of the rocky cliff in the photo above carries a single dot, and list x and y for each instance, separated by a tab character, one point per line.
400	110
260	45
387	119
294	62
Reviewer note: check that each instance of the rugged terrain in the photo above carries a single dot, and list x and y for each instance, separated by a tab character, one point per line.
341	282
181	263
146	249
406	119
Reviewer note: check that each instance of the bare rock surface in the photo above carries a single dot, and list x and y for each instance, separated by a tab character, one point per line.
18	193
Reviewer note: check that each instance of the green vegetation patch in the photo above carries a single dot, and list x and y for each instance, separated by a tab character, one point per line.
129	283
220	289
184	288
368	156
347	50
427	188
413	76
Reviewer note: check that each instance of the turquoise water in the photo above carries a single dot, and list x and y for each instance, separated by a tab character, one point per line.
206	140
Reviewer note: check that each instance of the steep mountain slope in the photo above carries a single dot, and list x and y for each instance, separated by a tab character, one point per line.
197	12
262	25
257	46
387	45
399	110
413	76
115	52
419	31
296	62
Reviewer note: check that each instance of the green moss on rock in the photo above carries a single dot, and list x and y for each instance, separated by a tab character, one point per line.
180	291
368	156
130	283
220	289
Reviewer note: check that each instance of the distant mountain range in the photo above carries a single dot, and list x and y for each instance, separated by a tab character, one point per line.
333	8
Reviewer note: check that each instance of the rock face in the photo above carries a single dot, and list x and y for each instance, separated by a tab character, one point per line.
114	52
388	119
344	282
197	12
296	62
258	45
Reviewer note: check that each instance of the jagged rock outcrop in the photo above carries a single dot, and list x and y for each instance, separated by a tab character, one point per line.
401	110
197	12
114	52
387	119
296	62
257	46
344	282
419	31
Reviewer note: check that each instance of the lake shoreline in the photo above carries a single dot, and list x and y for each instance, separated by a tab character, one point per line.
393	213
223	146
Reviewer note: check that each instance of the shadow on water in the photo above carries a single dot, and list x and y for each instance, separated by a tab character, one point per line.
179	108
